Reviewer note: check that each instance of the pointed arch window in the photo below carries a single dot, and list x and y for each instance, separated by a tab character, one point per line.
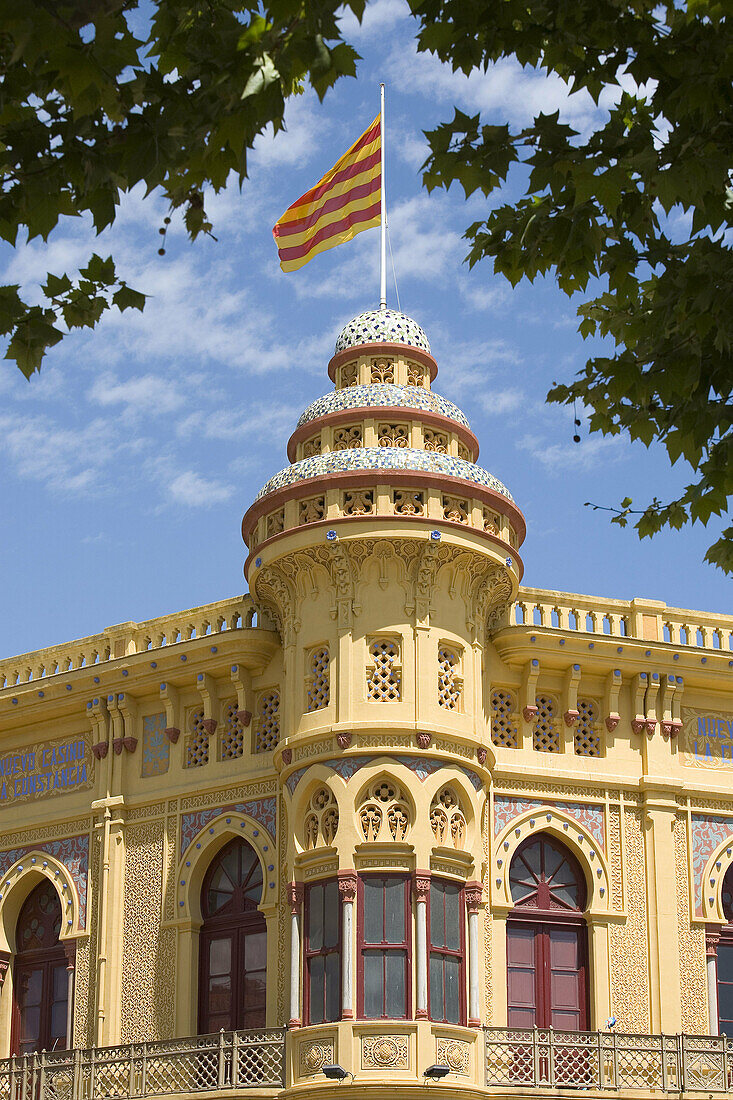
725	960
233	942
547	954
40	978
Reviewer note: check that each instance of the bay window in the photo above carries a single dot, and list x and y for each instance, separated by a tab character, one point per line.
384	946
446	980
322	951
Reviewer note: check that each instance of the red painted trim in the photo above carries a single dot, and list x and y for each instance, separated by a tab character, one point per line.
389	412
405	351
460	954
310	487
405	946
308	954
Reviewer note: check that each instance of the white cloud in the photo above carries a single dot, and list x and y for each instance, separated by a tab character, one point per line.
516	93
65	460
558	458
145	394
499	402
379	17
195	491
484	299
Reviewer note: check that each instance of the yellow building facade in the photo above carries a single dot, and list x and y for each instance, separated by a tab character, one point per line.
391	815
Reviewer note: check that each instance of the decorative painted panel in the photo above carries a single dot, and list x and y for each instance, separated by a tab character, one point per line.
156	746
261	809
707	834
73	852
506	808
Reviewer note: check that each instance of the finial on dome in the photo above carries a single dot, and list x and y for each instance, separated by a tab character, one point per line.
382	326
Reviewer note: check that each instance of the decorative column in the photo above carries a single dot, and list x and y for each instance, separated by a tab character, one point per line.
296	891
70	952
474	897
421	887
712	939
347	893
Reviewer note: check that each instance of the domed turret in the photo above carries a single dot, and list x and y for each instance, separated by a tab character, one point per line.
382	447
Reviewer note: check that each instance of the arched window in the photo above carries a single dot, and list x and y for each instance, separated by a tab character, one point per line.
725	960
547	956
233	942
40	980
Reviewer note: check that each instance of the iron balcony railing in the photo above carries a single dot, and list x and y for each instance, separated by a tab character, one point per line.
608	1060
203	1063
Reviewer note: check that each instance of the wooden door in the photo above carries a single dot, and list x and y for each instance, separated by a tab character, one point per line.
40	977
546	968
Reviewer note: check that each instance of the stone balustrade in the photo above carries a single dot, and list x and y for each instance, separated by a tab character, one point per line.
646	620
606	1061
129	638
204	1063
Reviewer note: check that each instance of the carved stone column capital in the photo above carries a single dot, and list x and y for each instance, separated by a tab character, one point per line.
712	939
474	896
421	885
296	892
4	964
347	885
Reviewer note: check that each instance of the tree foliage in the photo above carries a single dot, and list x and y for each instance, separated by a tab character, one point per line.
90	106
635	213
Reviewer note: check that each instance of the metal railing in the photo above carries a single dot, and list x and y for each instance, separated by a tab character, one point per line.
229	1060
607	1060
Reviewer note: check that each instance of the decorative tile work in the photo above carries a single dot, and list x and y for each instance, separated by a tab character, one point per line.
707	834
385	395
507	808
382	458
476	780
261	809
294	779
422	768
73	852
382	326
156	746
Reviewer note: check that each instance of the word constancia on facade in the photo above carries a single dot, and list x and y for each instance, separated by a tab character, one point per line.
391	819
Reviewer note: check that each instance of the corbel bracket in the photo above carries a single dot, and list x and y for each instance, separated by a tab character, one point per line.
570	695
610	699
528	694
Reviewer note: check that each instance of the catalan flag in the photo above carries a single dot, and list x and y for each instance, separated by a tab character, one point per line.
340	205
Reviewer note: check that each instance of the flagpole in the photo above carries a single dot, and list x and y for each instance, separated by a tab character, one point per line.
383	211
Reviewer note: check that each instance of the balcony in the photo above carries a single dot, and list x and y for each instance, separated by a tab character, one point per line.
607	1061
205	1063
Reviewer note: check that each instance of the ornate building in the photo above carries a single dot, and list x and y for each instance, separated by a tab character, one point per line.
390	819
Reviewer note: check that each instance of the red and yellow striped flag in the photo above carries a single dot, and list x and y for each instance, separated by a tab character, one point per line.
340	205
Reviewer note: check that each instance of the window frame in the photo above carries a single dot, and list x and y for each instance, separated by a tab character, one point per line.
405	947
235	926
322	952
443	952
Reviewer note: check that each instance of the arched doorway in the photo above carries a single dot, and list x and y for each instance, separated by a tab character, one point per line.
40	978
547	954
233	942
725	960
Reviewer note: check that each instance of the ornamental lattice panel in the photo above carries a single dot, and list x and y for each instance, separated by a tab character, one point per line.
504	725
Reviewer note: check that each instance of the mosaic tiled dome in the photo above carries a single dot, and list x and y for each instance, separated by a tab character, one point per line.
386	396
382	326
382	458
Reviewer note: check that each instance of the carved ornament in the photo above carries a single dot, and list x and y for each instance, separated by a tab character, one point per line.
296	891
347	885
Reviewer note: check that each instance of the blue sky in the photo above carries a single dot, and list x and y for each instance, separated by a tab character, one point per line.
128	463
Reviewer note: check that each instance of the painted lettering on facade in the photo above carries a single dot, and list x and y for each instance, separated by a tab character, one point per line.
706	739
55	767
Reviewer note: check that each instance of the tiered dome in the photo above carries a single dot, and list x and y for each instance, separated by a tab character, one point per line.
382	445
382	326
